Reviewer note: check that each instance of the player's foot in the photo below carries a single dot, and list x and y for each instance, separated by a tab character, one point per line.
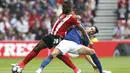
16	68
39	70
105	71
77	70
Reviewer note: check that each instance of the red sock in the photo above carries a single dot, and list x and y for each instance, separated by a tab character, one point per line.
28	58
68	62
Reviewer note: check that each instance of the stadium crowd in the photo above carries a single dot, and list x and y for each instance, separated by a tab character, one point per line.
122	31
32	19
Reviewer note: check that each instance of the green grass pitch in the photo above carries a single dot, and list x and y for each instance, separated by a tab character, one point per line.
114	64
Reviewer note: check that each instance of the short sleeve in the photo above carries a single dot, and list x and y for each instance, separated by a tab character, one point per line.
75	20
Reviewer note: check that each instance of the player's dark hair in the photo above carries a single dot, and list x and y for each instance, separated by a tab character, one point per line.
96	29
67	6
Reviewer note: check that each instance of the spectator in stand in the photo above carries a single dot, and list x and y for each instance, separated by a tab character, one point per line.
1	15
26	15
13	20
38	9
11	6
127	32
128	20
29	36
10	34
33	18
97	1
122	12
1	36
128	6
118	32
31	5
52	2
116	36
53	18
18	8
4	25
33	11
43	4
80	6
58	9
6	13
50	11
22	24
18	5
3	4
120	2
87	17
91	5
47	22
42	30
61	1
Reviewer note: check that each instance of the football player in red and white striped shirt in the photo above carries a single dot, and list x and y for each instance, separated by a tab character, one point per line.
65	21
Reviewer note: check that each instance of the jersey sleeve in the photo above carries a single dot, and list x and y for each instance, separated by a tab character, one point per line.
75	20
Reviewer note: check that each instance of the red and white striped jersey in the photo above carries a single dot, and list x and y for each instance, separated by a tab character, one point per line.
63	23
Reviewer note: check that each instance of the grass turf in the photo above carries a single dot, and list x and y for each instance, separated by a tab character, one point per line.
115	64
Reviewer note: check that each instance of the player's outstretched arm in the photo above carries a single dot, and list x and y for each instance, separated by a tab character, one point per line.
85	34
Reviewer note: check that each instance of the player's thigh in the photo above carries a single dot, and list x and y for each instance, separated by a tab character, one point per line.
56	52
74	47
85	50
41	45
64	46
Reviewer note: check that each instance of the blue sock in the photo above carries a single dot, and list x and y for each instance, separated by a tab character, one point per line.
97	62
46	61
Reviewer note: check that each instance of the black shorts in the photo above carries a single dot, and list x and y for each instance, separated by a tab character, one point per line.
51	40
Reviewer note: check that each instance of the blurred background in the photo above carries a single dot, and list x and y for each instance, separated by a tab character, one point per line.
30	20
24	22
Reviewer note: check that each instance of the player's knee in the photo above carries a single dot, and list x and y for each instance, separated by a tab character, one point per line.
39	46
92	51
55	52
59	56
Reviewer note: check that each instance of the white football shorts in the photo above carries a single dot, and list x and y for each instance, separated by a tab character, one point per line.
66	46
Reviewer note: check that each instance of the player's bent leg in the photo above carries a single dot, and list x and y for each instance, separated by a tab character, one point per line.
47	60
56	52
97	62
41	45
87	51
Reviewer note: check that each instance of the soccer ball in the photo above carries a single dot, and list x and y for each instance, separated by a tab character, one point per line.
16	69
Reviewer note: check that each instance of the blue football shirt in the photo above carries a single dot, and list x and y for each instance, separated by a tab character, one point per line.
75	35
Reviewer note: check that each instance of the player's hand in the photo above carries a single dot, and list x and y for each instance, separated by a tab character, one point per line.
91	45
95	68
